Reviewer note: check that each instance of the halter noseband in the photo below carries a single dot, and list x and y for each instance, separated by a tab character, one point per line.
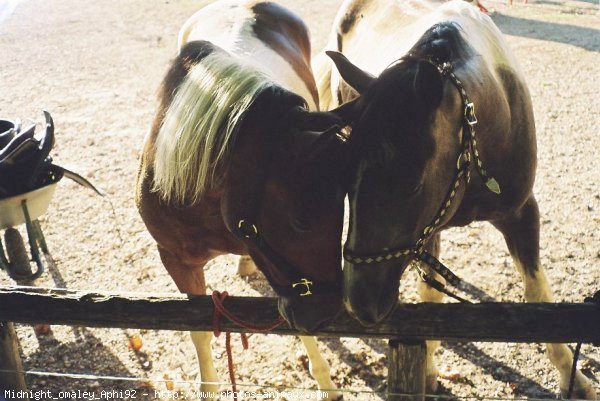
463	164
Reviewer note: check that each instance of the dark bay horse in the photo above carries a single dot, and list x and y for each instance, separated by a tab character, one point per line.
443	134
233	164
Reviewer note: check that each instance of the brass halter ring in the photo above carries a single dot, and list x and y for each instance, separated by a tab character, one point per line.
305	282
243	229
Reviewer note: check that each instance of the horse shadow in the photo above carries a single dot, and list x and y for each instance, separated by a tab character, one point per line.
88	356
524	386
372	377
59	282
85	340
475	292
372	380
585	38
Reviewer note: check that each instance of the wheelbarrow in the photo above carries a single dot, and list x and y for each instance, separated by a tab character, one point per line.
18	210
28	180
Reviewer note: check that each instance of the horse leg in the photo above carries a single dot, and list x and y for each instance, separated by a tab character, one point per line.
190	280
521	232
246	266
429	294
319	369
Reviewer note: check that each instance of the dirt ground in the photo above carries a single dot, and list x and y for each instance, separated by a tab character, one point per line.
96	65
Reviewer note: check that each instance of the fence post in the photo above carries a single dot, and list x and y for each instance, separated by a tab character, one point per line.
407	369
10	361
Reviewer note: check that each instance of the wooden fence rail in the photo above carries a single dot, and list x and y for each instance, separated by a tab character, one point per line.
506	322
407	328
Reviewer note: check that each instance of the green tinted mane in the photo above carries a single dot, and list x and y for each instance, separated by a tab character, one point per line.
200	125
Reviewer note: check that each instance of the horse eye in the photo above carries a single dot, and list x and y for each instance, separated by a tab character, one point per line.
299	224
415	190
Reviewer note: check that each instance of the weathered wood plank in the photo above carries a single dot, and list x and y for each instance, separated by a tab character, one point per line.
407	363
11	367
509	322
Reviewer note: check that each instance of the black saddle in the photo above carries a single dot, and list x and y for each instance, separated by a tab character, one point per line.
25	162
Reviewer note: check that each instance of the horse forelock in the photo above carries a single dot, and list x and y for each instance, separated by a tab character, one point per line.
200	125
390	121
443	42
392	105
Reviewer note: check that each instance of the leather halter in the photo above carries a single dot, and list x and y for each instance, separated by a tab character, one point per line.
302	284
247	230
463	172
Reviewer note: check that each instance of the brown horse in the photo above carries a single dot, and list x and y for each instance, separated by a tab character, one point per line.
233	164
420	168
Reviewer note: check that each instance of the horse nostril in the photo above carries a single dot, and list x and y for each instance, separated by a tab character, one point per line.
386	307
309	326
309	316
361	311
369	311
318	325
365	318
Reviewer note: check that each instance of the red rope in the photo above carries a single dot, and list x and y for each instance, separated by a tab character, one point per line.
218	298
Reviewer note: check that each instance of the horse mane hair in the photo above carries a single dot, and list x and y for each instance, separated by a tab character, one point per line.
200	126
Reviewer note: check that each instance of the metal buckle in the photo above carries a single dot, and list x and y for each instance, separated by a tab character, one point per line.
243	229
470	114
422	274
305	282
444	68
343	134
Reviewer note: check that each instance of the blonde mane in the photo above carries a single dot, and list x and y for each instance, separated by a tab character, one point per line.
200	124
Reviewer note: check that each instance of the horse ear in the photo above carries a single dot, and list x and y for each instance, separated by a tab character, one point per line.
305	120
348	112
355	77
317	121
323	143
316	132
428	85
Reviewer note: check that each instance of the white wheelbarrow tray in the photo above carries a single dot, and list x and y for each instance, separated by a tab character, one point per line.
24	209
11	209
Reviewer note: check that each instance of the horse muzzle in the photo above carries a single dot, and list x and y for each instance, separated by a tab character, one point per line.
310	314
370	292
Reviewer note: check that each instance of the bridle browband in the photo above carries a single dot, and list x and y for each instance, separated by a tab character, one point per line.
463	171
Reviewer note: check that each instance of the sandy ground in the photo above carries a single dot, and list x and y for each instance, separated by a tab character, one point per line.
96	65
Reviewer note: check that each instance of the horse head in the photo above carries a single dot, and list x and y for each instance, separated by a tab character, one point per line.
405	140
282	196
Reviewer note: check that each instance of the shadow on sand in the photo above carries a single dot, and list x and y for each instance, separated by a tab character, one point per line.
585	38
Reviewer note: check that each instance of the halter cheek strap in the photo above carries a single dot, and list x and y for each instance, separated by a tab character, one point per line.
248	231
463	173
301	284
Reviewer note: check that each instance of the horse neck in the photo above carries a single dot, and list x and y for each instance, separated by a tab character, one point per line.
279	50
375	33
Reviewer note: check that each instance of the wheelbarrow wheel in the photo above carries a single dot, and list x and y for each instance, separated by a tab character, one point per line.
19	265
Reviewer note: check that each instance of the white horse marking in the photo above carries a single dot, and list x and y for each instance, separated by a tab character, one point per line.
319	368
208	373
